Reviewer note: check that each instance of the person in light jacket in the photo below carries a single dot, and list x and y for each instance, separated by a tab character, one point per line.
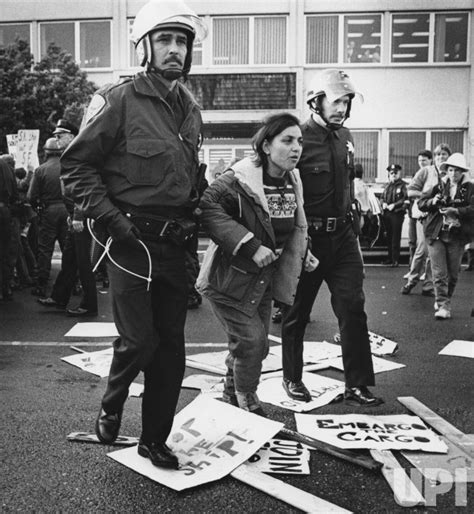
255	218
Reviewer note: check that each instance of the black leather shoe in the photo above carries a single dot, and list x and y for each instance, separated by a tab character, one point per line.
428	292
296	390
406	289
107	426
80	312
361	396
159	454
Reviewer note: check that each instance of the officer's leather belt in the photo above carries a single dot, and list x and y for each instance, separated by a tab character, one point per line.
328	224
152	227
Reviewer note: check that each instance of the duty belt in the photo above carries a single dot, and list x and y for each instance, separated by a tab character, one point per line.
328	224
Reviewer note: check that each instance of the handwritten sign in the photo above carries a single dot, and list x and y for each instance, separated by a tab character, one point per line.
97	363
399	432
27	149
280	456
12	142
210	439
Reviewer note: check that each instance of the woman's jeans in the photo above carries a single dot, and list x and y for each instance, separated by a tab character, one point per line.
248	341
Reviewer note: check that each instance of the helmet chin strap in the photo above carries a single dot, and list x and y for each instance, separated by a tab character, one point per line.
169	75
328	124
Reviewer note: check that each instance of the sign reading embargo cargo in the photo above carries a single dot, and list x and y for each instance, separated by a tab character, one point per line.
400	432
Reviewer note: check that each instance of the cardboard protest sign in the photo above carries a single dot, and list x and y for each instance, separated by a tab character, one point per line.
459	348
27	149
12	142
205	383
280	456
92	329
136	390
215	362
380	365
398	432
380	345
210	439
323	390
314	351
97	363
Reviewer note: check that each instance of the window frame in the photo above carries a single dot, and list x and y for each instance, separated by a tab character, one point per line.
341	17
251	41
431	39
30	27
77	41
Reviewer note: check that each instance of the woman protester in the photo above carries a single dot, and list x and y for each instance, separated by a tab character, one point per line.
254	216
448	227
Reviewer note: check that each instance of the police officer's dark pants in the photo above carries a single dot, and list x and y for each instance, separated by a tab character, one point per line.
76	259
151	328
393	224
340	266
52	227
5	236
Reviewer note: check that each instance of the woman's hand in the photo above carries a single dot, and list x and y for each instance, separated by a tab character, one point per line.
310	263
264	256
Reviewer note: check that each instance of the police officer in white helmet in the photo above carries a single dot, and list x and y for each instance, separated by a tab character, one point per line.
327	172
134	169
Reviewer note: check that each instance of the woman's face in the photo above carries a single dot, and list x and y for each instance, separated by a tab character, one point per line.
284	150
454	173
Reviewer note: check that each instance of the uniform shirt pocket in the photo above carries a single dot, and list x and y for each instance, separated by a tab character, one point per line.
149	161
318	177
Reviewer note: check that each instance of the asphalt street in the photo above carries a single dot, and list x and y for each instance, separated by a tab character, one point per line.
43	399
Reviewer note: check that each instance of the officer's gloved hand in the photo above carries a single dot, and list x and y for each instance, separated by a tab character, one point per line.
122	230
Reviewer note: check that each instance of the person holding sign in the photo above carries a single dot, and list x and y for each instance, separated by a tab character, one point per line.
254	216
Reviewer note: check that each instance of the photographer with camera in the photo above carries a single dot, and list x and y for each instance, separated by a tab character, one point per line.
448	227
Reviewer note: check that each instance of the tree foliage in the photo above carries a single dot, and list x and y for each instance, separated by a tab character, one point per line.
35	96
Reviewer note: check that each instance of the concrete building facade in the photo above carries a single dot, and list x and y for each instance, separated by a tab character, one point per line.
411	59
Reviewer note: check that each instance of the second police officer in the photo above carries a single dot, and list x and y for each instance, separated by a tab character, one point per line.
327	172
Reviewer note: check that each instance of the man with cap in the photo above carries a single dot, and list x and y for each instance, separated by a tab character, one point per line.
448	227
45	194
327	172
76	254
134	169
394	198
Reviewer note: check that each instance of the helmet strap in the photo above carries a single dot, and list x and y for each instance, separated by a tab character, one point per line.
316	107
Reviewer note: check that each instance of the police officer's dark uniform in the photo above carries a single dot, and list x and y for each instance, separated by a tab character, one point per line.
8	196
45	193
327	171
133	168
394	193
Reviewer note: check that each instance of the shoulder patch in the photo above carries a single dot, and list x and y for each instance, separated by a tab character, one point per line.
96	105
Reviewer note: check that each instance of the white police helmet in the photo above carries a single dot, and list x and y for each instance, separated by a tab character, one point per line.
157	14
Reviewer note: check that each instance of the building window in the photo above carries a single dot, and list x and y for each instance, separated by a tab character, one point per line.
366	152
95	44
362	38
450	37
321	39
270	40
10	32
61	34
244	91
89	42
455	139
411	37
404	148
249	40
231	41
